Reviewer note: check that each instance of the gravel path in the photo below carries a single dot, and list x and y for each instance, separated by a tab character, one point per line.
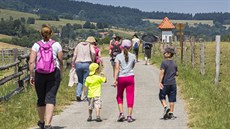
147	108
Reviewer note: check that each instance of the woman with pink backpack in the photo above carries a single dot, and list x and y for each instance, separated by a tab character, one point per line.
46	62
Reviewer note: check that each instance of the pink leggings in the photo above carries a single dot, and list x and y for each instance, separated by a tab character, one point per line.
128	84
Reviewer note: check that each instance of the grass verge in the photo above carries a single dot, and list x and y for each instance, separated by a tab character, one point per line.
20	111
207	104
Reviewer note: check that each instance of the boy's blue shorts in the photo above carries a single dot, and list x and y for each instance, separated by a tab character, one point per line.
170	91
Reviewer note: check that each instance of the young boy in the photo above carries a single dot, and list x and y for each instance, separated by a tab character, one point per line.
93	83
168	71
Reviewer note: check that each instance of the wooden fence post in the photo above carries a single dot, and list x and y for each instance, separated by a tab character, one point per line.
25	52
175	47
217	59
192	42
15	55
185	53
202	58
3	58
153	49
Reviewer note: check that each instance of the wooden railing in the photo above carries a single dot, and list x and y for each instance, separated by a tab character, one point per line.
22	69
21	72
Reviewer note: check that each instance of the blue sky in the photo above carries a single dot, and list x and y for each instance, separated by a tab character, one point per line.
180	6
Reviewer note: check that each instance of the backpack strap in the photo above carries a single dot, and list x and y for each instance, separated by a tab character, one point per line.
51	42
40	43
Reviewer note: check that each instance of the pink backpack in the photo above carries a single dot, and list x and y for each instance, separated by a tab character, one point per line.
45	61
97	54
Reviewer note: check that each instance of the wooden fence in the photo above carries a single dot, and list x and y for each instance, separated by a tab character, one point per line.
194	54
21	69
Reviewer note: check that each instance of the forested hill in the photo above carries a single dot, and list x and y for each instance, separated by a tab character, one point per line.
118	16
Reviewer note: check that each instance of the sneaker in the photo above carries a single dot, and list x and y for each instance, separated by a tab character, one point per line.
78	99
171	116
121	117
166	111
41	124
89	118
85	99
48	127
130	119
98	119
148	62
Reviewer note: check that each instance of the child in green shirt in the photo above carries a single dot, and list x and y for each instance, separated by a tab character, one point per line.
93	83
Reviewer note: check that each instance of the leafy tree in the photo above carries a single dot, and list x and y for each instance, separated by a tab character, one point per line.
30	20
87	25
100	25
92	26
23	20
77	26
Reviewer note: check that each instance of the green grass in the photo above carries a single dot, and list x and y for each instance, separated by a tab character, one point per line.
58	24
207	104
20	111
4	13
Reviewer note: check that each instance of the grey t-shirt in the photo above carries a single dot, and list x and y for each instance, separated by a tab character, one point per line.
170	69
126	69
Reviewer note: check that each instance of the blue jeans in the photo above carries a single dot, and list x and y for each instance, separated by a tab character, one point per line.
82	70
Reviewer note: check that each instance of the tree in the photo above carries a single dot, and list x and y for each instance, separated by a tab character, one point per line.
87	25
77	26
92	26
23	20
30	20
100	25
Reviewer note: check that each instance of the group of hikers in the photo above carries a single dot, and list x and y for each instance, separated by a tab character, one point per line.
46	64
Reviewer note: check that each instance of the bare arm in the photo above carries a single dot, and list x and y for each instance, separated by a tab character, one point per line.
116	71
60	59
161	78
92	49
99	54
177	74
134	64
33	55
74	56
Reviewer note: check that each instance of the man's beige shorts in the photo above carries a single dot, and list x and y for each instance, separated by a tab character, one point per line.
95	103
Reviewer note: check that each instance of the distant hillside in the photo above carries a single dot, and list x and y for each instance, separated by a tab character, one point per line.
6	14
2	36
113	17
190	22
116	16
8	46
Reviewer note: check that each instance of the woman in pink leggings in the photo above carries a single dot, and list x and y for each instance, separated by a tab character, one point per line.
124	79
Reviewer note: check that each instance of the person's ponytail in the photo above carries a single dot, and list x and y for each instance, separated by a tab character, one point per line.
126	54
46	31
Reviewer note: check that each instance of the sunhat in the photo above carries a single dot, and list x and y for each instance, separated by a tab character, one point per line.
169	50
126	43
90	39
92	68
